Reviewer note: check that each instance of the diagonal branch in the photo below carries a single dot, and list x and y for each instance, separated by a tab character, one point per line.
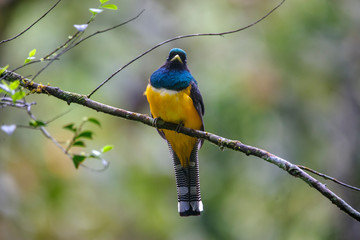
105	30
46	133
287	166
28	28
185	36
328	178
73	41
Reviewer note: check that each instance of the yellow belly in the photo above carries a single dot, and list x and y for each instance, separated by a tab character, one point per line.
176	107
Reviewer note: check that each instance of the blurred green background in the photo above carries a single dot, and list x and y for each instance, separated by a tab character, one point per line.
289	85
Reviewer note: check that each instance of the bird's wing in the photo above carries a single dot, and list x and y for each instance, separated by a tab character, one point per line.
196	97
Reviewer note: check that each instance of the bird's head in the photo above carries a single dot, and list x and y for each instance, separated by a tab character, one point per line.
176	59
174	74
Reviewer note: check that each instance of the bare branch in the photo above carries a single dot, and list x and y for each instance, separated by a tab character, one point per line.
105	30
8	102
185	36
328	178
5	101
46	133
10	39
58	116
73	38
32	62
292	169
73	42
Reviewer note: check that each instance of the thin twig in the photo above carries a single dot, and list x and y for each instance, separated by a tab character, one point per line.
72	42
26	64
63	45
27	106
105	166
78	35
46	133
76	134
328	177
184	36
10	39
70	39
58	116
33	62
105	30
7	101
287	166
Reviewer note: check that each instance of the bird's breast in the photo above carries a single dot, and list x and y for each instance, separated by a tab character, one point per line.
177	107
173	106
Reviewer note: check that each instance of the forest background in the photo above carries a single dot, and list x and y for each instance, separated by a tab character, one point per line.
289	85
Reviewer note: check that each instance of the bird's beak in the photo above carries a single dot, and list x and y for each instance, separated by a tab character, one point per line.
176	58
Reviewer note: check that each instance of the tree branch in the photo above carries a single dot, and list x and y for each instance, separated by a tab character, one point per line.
184	36
28	28
73	41
105	30
328	178
287	166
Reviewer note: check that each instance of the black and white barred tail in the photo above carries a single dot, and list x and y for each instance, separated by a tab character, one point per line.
188	184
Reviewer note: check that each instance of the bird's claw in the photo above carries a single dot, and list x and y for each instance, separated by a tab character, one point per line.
179	126
156	122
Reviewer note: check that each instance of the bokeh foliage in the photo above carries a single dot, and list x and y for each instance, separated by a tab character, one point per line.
289	85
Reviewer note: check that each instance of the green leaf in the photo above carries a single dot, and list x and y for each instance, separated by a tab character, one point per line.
70	127
85	134
107	148
103	1
2	70
27	60
14	85
78	159
18	95
36	123
32	53
79	144
94	120
110	6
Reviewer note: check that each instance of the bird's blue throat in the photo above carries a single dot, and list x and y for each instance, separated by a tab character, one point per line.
171	79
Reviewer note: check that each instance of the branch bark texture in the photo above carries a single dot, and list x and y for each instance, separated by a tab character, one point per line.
222	142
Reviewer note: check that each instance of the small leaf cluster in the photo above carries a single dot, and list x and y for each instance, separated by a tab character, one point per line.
10	129
37	123
95	11
31	56
13	89
78	140
102	6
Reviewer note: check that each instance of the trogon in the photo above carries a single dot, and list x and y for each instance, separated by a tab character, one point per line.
174	96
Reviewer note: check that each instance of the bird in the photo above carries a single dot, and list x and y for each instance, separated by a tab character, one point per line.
173	96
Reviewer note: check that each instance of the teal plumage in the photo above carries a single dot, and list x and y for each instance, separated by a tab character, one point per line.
173	75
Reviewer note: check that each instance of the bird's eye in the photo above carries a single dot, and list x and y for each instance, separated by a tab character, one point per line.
171	55
182	56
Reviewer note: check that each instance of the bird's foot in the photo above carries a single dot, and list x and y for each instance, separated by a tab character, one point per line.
179	126
156	121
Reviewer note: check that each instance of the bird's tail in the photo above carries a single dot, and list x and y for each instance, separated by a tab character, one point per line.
188	184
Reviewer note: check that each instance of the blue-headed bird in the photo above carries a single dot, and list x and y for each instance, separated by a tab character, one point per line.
174	96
